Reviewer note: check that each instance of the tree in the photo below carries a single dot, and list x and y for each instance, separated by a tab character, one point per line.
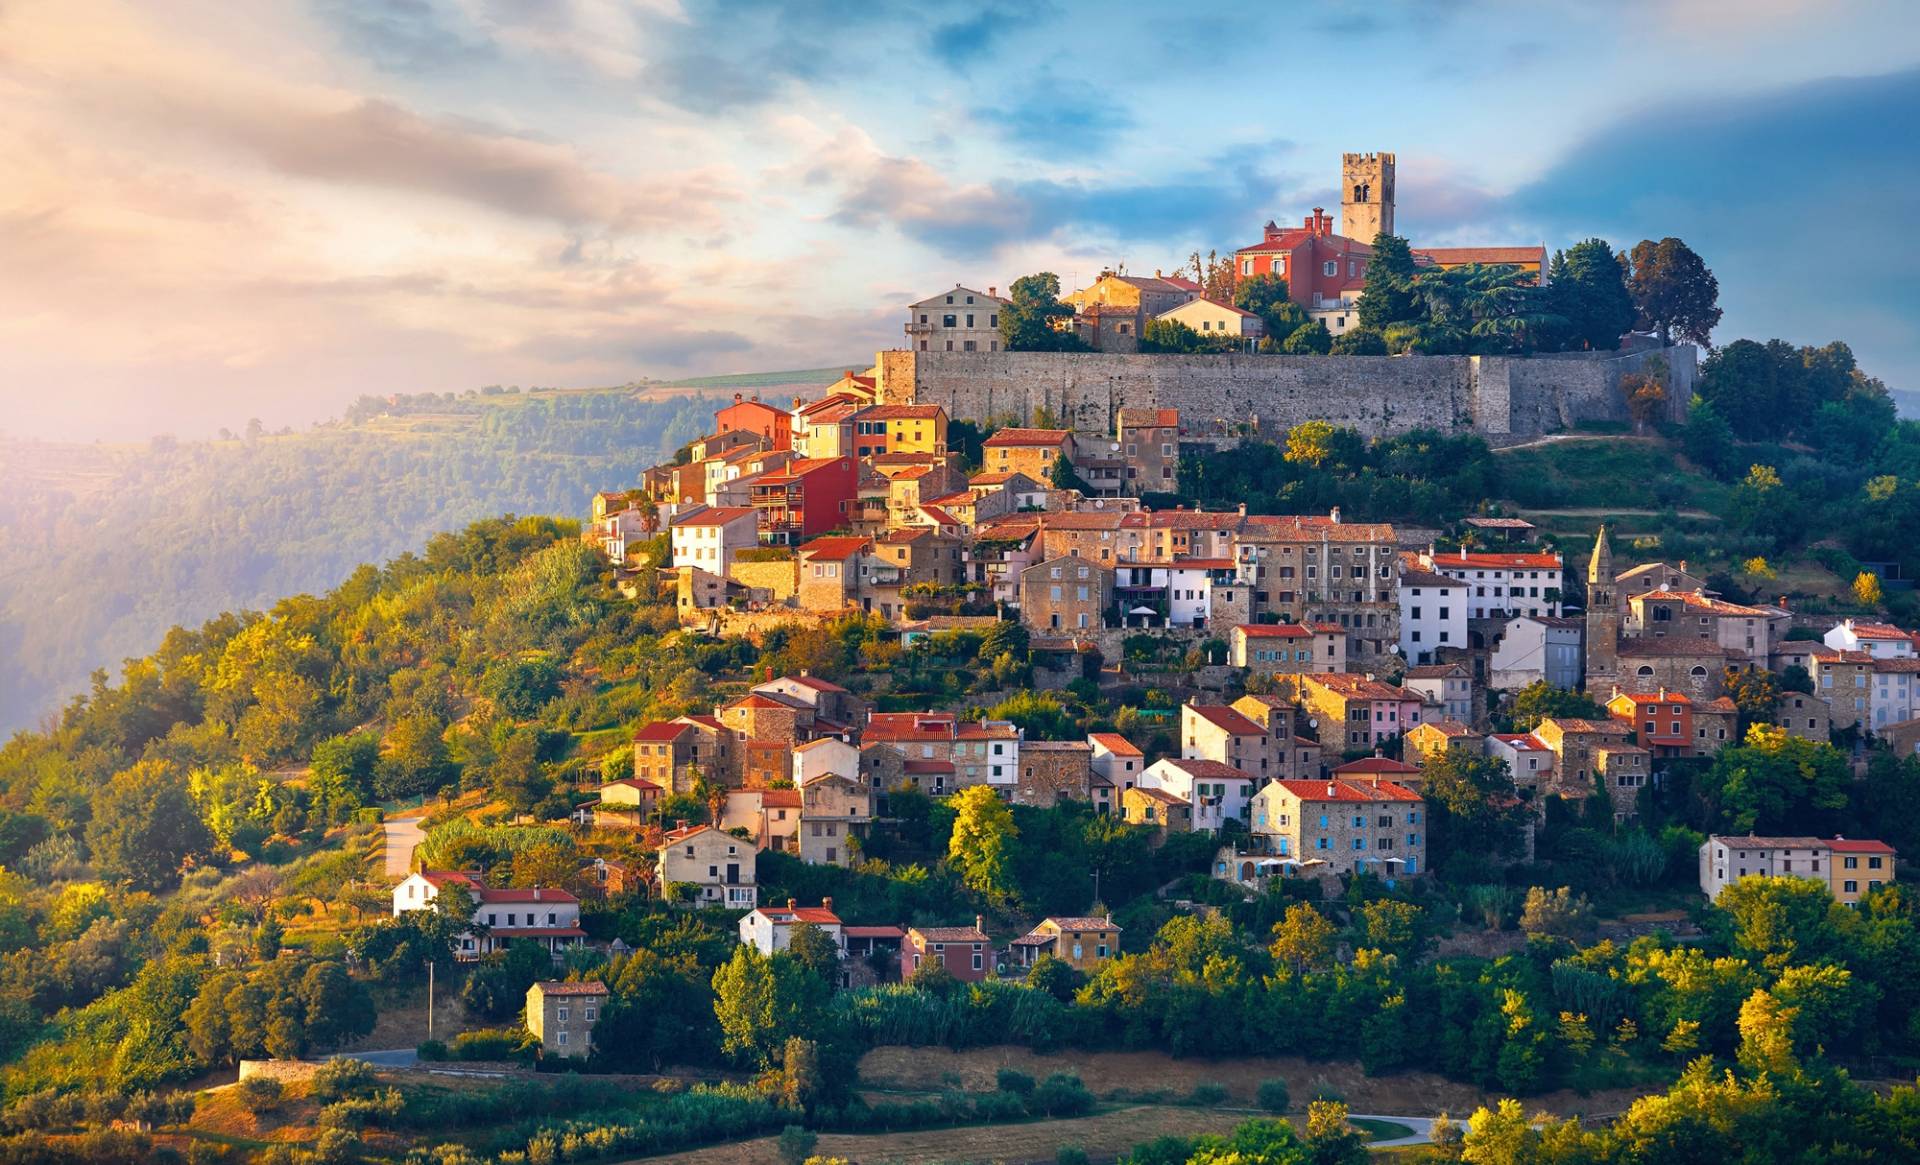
815	950
519	687
1560	913
1388	296
761	1001
1588	287
1303	938
801	1080
1540	700
1063	476
341	780
1774	783
145	825
1673	292
1766	1034
416	761
1055	976
1359	342
1754	692
1266	296
1646	392
1030	322
1475	811
1331	1139
979	849
1866	589
517	777
1309	339
1389	926
1215	275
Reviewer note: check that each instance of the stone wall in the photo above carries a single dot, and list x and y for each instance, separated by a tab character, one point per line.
1503	398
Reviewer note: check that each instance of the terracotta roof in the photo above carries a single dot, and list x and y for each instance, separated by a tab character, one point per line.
1421	577
703	720
941	516
761	700
590	987
1580	724
950	934
1027	437
1825	654
1437	671
1492	256
640	783
1207	770
715	516
1752	841
1225	718
1524	741
1501	523
1312	528
1348	791
1907	664
1115	743
873	932
817	915
1720	704
836	548
901	413
1274	631
1075	925
1376	764
1445	727
1652	697
780	798
690	832
1213	303
1702	602
1876	631
1028	746
1160	795
1360	687
661	731
536	894
1150	418
441	879
1482	561
1851	845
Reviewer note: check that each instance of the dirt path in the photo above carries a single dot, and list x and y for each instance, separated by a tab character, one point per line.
403	833
1562	438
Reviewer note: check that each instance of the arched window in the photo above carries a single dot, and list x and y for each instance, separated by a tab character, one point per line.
1645	672
1698	672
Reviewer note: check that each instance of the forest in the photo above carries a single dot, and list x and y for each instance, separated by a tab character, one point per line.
104	548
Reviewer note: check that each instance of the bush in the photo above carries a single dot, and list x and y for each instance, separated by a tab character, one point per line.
796	1144
1062	1094
493	1044
1013	1080
260	1094
1273	1095
1070	1155
338	1079
1208	1094
432	1050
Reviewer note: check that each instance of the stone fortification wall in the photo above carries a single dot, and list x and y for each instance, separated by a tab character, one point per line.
1503	398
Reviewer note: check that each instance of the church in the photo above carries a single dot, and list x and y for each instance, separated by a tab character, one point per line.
1326	271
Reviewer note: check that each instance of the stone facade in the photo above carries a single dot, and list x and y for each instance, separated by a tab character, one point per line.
1065	594
562	1015
1053	771
1500	397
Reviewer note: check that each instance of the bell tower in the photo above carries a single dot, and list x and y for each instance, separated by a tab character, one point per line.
1366	196
1603	619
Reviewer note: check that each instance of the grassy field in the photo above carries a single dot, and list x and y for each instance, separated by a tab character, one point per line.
1647	475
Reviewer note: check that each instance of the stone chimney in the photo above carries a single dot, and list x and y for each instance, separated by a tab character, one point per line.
980	923
993	291
793	904
826	904
737	398
1243	509
1333	515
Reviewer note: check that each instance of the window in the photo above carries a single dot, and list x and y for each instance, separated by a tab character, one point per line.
1330	268
562	1040
563	1014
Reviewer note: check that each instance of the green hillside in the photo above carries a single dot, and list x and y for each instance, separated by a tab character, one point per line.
102	548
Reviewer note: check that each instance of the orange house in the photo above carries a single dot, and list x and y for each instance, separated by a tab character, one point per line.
1662	721
756	416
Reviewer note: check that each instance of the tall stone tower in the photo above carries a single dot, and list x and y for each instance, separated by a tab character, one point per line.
1603	620
1366	196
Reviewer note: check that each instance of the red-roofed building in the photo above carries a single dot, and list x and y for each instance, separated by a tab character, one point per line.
1028	451
1662	721
1501	585
1287	648
756	416
716	867
944	754
1850	868
770	928
1324	271
1370	825
1355	711
1215	790
804	498
711	536
964	949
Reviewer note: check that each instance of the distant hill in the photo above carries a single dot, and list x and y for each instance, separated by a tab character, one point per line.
102	548
756	381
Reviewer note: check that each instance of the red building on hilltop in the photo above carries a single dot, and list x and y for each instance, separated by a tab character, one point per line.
756	416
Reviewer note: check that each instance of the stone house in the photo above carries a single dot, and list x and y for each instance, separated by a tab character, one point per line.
1258	740
1150	441
1434	737
1287	648
1694	666
1805	716
1166	811
964	949
1623	770
1716	724
1082	943
1317	570
562	1015
1843	679
834	708
1576	744
1747	633
1027	451
1052	771
835	812
626	803
1356	711
1065	594
830	572
1293	755
1447	686
985	752
719	866
1340	827
1653	576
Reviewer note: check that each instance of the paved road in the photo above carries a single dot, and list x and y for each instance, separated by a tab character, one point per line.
1422	1127
403	833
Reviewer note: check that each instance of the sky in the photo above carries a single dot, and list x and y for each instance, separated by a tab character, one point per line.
212	211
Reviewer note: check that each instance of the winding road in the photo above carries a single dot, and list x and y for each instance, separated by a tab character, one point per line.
403	834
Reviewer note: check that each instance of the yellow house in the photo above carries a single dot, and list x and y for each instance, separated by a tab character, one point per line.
1858	866
1211	318
899	429
1083	942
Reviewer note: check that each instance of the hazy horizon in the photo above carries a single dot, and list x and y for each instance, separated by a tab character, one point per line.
221	213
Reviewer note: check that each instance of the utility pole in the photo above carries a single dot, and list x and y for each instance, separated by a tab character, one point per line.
1096	887
429	998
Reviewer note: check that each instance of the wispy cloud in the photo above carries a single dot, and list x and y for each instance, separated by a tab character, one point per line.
1061	118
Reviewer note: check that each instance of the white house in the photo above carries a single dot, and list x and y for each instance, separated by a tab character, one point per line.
709	538
961	320
1216	791
1895	692
1502	584
1433	611
1450	685
1541	647
1880	640
827	756
770	928
719	866
548	917
1530	761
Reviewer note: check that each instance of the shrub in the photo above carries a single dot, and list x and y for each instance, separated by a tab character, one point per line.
1013	1080
493	1044
1208	1094
337	1079
432	1050
260	1094
1273	1095
1062	1094
796	1144
1070	1155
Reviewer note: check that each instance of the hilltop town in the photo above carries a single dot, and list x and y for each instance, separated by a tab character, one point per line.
1108	714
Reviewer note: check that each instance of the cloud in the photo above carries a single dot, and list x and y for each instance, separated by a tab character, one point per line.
1800	198
1061	118
962	44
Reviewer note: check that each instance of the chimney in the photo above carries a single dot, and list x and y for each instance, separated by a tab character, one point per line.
1333	515
793	904
680	824
980	923
993	291
1243	509
737	398
826	904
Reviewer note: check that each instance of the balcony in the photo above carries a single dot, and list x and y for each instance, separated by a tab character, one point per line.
919	329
